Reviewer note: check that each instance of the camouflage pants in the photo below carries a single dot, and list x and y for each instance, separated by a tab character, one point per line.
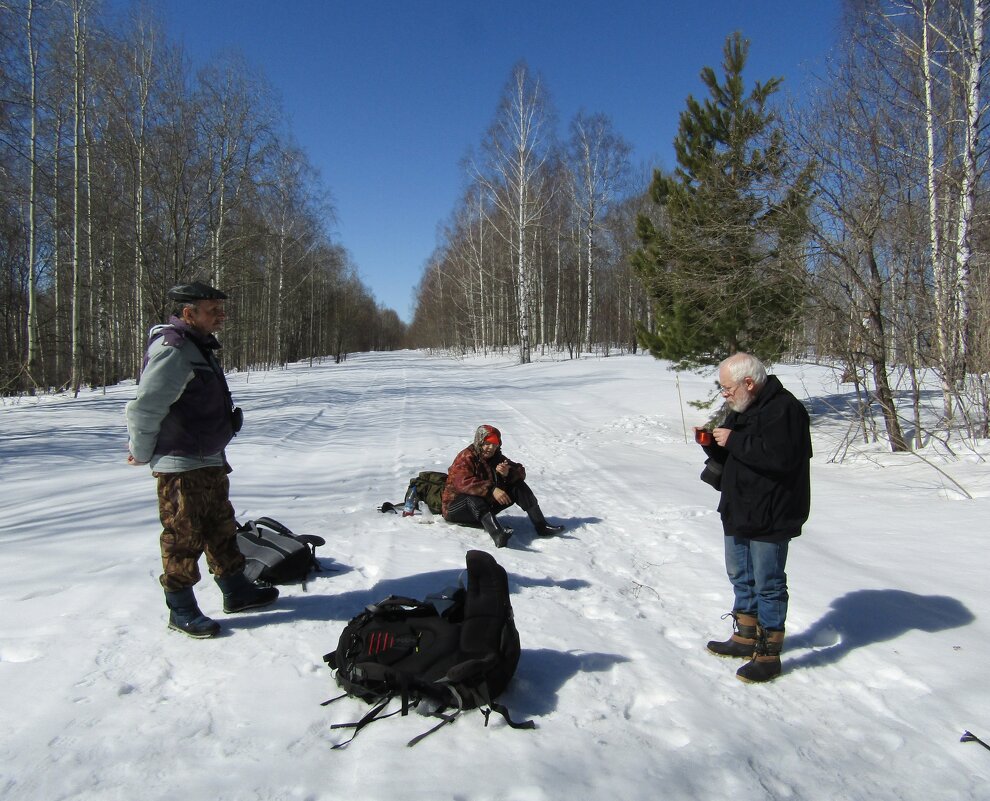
197	517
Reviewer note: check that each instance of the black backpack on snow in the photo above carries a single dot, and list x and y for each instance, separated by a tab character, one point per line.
274	555
458	657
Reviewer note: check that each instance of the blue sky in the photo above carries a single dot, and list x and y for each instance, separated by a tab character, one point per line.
388	96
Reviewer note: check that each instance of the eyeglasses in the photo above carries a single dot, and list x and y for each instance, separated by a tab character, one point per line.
730	390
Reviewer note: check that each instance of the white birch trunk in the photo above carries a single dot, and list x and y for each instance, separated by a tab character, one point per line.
139	309
77	45
943	283
279	294
480	260
32	320
96	337
589	243
57	251
557	296
522	269
973	61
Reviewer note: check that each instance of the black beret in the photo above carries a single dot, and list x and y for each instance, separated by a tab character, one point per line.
186	293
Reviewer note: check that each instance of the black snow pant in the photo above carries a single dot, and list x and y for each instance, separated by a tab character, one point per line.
469	509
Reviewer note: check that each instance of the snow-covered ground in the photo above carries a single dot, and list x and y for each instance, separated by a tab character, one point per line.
885	663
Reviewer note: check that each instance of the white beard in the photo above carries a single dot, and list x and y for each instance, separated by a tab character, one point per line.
740	406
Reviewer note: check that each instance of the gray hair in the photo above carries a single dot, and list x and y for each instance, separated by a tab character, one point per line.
744	365
180	306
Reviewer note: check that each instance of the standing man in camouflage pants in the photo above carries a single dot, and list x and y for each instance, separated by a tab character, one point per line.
180	423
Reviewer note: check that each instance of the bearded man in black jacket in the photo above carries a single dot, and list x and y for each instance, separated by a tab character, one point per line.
760	461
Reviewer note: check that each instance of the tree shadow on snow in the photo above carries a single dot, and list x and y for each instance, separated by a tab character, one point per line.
542	672
324	604
317	604
523	533
866	617
840	405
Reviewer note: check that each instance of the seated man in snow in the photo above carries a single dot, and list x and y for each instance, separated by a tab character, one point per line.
482	482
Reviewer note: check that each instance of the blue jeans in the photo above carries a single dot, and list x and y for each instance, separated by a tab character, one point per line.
756	570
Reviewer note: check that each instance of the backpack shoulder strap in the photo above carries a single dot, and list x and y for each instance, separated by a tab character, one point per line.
307	539
444	720
370	717
274	525
483	701
395	603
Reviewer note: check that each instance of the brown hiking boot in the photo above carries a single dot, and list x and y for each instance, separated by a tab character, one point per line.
742	643
765	664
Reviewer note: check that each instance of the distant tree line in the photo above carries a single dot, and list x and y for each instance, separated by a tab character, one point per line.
536	253
122	173
850	227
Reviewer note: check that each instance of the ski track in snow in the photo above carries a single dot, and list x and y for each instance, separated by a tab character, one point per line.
884	665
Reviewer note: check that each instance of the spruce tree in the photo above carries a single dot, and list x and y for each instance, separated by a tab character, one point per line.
723	261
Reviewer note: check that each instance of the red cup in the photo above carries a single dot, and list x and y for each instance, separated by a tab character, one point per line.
703	436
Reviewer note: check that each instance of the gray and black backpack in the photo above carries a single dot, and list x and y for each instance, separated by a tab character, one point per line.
456	651
274	555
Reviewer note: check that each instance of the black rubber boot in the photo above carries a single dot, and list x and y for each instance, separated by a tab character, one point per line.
765	664
184	615
742	643
239	594
543	528
499	534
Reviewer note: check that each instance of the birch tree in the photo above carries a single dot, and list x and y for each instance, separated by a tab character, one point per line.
141	51
78	146
33	360
943	45
857	275
599	161
518	146
236	135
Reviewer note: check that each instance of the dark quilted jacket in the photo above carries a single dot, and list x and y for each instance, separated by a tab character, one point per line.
766	483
